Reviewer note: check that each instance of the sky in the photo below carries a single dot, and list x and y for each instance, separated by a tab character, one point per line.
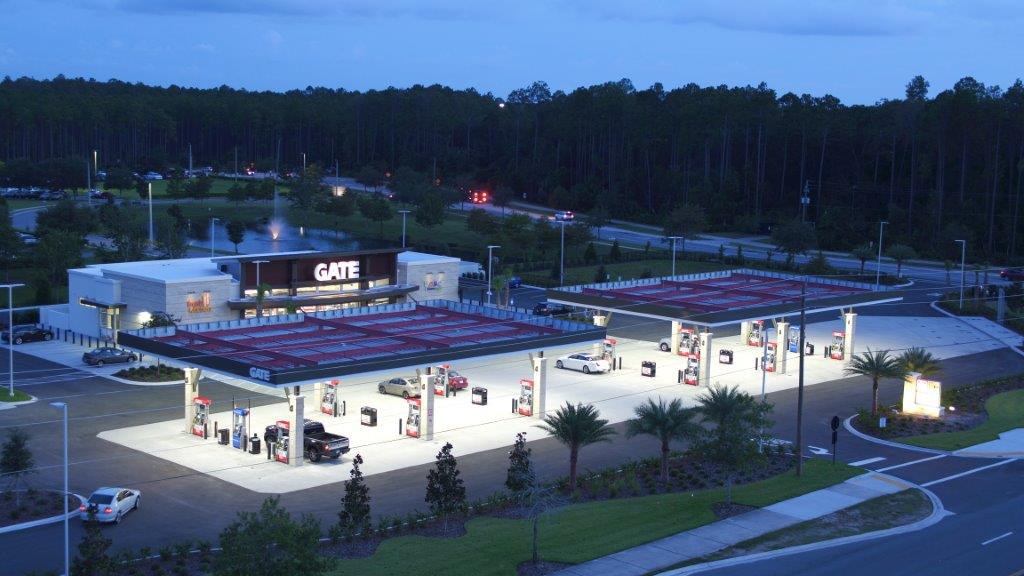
859	51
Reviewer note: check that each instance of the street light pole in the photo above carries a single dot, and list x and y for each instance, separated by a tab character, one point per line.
963	260
403	213
259	303
561	258
490	261
63	407
10	335
212	231
878	267
673	239
149	191
800	384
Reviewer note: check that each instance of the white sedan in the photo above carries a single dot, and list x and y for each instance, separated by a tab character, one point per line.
585	363
110	504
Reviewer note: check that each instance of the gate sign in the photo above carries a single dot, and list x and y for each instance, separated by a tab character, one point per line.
326	271
259	373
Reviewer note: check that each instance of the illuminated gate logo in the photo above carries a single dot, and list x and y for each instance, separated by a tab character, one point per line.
326	271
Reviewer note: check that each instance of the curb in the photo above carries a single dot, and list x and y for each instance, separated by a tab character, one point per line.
938	513
43	521
13	405
139	383
906	284
849	428
935	306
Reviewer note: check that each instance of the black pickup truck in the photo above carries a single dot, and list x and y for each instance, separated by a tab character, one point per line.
316	442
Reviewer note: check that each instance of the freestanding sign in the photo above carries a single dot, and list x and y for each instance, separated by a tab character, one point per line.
922	397
835	436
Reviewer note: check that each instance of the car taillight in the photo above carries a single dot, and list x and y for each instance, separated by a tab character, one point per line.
108	510
81	508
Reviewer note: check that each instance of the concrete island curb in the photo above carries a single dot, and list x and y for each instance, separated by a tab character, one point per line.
868	438
13	405
44	521
938	513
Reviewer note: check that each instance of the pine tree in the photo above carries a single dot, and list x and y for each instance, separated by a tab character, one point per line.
354	517
446	493
521	478
92	559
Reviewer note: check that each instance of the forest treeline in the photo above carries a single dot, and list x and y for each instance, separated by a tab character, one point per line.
937	167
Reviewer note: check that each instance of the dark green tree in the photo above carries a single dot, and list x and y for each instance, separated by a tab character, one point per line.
270	543
590	254
597	218
520	479
687	221
375	207
66	216
919	360
738	424
792	238
93	558
238	193
430	210
479	221
119	179
900	253
446	493
236	232
16	461
863	253
308	189
577	426
354	517
875	365
667	423
56	252
199	188
340	207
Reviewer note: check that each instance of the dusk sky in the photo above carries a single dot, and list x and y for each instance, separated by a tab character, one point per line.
859	51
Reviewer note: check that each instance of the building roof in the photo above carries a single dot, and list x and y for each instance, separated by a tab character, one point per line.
167	271
290	349
424	258
301	253
721	298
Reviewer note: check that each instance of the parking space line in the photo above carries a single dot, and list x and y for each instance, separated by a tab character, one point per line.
991	540
911	463
867	461
971	471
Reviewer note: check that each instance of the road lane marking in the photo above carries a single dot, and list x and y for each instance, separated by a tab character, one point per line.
818	451
972	471
867	461
1000	537
911	463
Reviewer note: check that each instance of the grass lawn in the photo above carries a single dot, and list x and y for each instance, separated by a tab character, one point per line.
20	204
1005	412
219	187
19	396
581	532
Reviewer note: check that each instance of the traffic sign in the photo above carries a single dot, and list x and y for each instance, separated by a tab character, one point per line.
835	424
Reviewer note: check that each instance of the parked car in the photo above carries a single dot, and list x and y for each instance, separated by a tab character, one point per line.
110	504
564	216
26	333
101	195
152	176
108	355
404	387
52	195
101	176
665	344
515	282
1012	274
28	239
586	363
546	309
316	442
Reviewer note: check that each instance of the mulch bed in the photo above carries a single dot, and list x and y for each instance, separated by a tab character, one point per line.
969	402
27	505
723	510
539	569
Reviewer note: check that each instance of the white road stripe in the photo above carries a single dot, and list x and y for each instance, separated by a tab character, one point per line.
987	542
911	463
972	471
867	461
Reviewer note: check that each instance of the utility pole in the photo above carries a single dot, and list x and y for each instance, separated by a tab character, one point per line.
805	200
236	162
878	267
800	385
189	159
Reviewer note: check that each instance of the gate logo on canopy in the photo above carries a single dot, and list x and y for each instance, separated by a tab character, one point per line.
259	373
326	271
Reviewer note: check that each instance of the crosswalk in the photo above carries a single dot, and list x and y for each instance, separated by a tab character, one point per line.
51	377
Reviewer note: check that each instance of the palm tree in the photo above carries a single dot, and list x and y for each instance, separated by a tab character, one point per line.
666	422
577	426
901	253
919	360
862	253
739	421
875	365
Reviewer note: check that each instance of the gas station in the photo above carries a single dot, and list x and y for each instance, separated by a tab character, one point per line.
760	302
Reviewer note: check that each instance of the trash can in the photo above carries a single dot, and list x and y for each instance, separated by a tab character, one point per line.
648	368
223	436
254	444
480	396
368	416
808	349
725	356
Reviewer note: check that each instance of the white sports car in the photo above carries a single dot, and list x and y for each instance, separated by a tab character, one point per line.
586	363
110	504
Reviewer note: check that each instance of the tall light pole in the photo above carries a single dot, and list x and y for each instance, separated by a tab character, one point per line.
800	385
561	258
63	407
805	200
95	161
303	161
88	183
403	213
10	335
673	239
963	260
878	267
259	303
149	191
212	230
490	262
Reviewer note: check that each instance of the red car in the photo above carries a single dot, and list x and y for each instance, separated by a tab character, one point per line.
455	380
1012	274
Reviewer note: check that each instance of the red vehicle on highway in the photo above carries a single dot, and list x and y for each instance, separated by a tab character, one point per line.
1012	274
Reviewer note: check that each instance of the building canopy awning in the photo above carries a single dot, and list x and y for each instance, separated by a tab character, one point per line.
102	305
292	349
722	298
313	299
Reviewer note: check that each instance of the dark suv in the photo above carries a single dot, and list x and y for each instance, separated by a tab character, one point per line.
545	309
26	333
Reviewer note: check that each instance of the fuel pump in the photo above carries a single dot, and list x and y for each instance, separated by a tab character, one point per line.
691	375
609	349
793	339
756	333
412	422
329	400
769	357
281	442
239	433
687	341
693	350
838	345
201	416
440	379
526	397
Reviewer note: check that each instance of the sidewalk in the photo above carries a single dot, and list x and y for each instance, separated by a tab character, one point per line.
710	538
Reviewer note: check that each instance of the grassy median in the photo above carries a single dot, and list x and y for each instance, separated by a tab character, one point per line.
581	532
1005	412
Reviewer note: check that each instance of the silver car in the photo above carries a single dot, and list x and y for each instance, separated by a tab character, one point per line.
110	504
404	387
